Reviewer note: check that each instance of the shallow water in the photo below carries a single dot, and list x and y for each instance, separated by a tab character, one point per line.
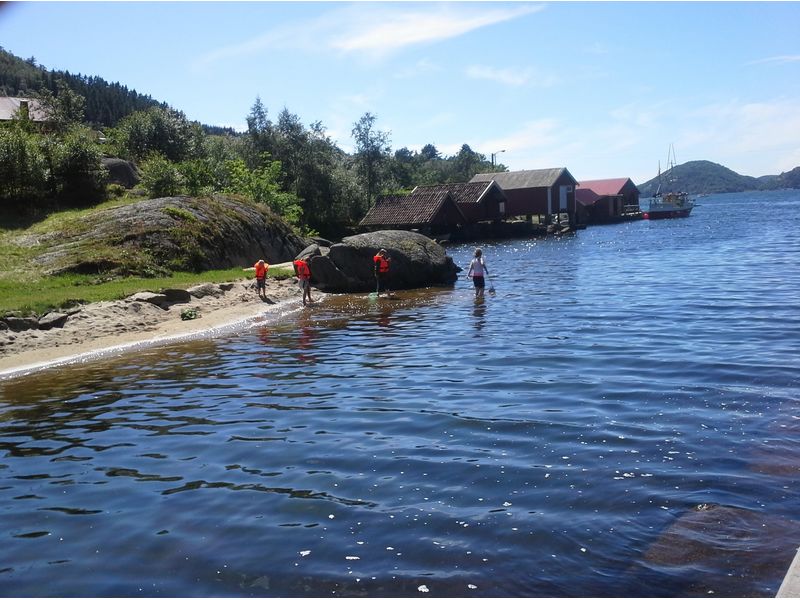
537	443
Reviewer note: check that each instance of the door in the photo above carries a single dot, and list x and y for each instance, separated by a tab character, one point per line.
562	197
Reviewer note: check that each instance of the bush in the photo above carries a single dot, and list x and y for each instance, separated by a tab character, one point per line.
198	177
161	178
78	176
261	185
23	170
160	130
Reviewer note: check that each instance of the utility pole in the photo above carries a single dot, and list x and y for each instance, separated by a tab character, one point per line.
494	155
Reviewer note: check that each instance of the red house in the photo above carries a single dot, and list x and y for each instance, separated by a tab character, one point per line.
607	200
544	192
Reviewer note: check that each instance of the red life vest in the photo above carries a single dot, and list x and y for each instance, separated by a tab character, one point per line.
303	272
261	270
382	263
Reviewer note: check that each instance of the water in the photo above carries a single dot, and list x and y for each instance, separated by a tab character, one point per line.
537	444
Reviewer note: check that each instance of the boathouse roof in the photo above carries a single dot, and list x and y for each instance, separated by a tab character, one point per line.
463	193
533	178
586	196
605	187
425	206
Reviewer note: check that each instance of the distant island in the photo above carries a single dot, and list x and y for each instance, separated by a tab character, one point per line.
706	177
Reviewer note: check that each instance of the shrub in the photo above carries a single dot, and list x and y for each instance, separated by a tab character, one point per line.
261	185
23	170
160	177
78	176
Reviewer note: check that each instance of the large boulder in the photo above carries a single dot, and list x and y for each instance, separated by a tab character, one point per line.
157	236
416	261
121	172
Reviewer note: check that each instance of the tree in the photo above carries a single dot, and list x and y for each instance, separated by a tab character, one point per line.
23	170
467	163
160	130
372	151
259	133
63	110
77	174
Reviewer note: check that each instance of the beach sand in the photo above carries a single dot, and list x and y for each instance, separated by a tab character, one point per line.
116	326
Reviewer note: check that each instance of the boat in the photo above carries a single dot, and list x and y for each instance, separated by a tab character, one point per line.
668	203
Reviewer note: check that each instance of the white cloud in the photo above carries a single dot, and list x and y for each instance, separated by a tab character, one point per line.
373	30
385	30
514	77
790	58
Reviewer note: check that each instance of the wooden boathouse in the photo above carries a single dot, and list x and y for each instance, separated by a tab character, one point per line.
607	200
431	211
482	201
547	193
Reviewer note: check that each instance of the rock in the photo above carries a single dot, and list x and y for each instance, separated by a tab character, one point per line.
52	319
320	241
204	289
21	323
226	287
177	296
416	261
158	236
159	300
309	252
121	172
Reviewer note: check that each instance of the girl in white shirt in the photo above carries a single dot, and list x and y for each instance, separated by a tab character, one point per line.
477	269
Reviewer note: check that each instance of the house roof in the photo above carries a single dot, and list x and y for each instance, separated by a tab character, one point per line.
9	105
534	178
605	187
419	208
464	193
586	196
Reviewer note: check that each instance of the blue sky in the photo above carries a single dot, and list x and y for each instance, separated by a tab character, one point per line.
601	88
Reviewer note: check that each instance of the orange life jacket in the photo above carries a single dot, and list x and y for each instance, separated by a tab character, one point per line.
382	263
261	270
303	272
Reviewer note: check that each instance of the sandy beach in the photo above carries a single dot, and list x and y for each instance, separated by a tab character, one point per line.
116	326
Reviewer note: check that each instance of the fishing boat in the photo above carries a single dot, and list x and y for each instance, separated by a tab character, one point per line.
667	203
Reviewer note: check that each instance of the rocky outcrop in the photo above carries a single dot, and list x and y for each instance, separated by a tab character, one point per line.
153	237
416	261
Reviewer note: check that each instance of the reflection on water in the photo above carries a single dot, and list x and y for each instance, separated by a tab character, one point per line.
553	439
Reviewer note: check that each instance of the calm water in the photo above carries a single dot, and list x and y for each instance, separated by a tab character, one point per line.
536	444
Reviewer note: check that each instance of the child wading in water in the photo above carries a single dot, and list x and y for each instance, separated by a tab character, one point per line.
477	269
303	272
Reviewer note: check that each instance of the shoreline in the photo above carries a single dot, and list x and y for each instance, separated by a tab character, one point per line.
108	328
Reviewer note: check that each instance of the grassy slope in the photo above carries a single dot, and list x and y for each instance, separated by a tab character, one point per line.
24	288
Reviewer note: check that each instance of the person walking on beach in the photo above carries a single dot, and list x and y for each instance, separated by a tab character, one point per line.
477	270
261	268
381	263
303	272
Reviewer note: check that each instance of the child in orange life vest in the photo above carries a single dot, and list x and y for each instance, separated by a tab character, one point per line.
381	261
303	272
261	269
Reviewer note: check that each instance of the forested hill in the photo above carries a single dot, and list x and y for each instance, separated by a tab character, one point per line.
106	103
706	177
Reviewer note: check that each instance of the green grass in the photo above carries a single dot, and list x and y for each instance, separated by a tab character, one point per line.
48	293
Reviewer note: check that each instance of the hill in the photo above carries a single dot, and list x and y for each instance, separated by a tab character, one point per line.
702	177
106	103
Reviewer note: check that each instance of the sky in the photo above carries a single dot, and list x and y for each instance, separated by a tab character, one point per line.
601	88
